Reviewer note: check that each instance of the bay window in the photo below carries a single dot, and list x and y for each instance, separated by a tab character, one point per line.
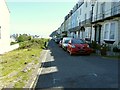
109	31
112	31
106	33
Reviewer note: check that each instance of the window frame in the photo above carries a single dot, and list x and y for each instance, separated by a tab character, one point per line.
109	31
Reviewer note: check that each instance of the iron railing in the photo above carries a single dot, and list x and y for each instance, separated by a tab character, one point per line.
114	11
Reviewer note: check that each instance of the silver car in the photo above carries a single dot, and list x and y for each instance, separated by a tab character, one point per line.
65	42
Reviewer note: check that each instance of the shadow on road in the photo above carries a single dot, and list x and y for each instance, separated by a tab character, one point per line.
65	71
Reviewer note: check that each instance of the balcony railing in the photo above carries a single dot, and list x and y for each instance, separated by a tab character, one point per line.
86	22
113	12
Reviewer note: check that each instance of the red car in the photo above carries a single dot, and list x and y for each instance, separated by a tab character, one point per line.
78	46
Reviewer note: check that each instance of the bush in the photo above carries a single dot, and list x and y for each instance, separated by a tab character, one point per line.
104	49
116	49
25	44
33	43
23	38
94	45
12	43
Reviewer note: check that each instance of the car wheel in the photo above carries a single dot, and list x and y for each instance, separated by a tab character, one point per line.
67	50
88	54
71	53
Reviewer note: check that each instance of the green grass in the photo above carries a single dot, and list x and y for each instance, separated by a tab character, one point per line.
14	61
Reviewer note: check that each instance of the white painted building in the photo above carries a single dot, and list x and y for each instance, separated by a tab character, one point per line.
105	27
106	21
4	26
4	29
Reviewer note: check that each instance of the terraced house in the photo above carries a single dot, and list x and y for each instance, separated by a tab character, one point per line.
94	20
4	27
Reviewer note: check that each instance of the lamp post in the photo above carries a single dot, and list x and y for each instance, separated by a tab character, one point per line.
92	5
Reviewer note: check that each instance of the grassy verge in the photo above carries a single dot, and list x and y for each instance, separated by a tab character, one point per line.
13	63
113	57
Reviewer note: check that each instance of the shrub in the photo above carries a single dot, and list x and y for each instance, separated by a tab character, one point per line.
104	49
12	43
116	49
94	45
23	38
33	43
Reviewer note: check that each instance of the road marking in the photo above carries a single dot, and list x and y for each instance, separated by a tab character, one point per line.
94	74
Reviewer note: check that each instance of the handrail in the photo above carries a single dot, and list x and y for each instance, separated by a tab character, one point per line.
110	12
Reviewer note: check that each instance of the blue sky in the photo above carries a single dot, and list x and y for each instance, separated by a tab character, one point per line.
39	18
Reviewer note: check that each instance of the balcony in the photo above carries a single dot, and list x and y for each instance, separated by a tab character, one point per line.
77	28
107	15
86	23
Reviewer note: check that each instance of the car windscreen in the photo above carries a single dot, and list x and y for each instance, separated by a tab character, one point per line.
78	41
66	41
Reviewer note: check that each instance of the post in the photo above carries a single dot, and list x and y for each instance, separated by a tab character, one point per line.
91	23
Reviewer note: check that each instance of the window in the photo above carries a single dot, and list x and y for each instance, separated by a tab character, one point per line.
90	14
106	31
87	33
79	22
85	17
114	8
86	4
80	11
78	41
102	9
109	33
112	31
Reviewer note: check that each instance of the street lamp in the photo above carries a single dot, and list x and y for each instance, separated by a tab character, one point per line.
92	5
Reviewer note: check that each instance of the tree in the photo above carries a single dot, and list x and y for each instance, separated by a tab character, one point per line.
23	38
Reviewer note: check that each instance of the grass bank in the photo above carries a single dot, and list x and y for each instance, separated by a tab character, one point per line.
17	66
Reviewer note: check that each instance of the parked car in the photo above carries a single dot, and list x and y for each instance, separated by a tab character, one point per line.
60	43
65	42
78	46
57	40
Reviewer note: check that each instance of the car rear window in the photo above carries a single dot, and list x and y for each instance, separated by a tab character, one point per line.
66	41
78	41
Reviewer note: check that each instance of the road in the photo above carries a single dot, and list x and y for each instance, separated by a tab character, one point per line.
60	70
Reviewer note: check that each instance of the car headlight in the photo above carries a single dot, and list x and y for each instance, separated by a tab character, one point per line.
88	46
73	46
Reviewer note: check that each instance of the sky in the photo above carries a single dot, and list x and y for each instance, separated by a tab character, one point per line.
37	17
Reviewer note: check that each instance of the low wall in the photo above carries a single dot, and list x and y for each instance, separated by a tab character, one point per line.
9	48
13	47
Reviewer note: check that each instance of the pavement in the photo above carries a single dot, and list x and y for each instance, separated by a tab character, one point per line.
34	77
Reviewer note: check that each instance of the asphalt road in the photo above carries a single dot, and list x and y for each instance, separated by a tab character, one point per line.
60	70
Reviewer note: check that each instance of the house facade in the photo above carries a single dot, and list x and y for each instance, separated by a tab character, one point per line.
106	21
4	27
98	21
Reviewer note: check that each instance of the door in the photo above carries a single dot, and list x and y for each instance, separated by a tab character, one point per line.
98	33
